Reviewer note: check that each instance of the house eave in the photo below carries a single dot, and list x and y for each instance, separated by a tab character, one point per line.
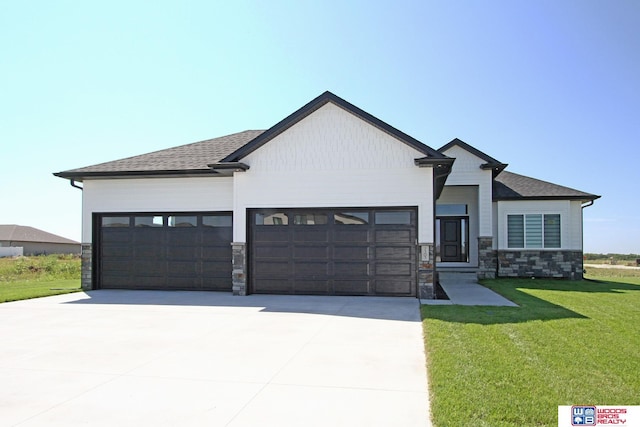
585	198
80	176
495	168
229	166
441	167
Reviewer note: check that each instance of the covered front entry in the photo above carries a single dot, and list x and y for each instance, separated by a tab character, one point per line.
453	238
188	251
351	251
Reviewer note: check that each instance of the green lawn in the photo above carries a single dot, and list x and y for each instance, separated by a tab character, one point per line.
568	343
14	291
38	276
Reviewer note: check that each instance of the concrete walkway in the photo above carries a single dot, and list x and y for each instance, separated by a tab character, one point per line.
147	358
464	289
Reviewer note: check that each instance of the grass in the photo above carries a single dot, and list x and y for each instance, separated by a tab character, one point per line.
15	291
607	273
568	343
32	277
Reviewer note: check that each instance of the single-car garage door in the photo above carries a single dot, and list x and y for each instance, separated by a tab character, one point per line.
333	251
190	251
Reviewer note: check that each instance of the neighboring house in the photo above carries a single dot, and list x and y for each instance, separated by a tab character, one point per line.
35	242
330	200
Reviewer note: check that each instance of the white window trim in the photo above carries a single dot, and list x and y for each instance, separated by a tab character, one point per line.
525	214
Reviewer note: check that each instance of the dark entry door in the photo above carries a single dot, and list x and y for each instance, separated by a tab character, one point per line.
451	240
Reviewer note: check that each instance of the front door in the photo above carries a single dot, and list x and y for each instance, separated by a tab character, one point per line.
451	240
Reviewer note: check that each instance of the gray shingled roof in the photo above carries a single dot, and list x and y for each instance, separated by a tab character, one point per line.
227	151
21	233
192	157
511	186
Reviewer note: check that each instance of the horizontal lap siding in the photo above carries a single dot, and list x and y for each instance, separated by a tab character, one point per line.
154	195
333	158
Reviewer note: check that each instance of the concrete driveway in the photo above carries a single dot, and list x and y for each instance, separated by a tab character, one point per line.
142	358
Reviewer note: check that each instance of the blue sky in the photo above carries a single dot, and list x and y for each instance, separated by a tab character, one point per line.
550	87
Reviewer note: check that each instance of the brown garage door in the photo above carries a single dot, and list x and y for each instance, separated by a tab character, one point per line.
333	251
190	251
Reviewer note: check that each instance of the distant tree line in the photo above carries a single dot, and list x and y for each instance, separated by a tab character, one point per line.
617	257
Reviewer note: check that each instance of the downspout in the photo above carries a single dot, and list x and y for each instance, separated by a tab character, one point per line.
435	269
433	231
589	203
73	184
497	220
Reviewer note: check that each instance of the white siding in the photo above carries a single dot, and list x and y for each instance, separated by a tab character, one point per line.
466	171
334	159
575	225
154	195
494	228
570	219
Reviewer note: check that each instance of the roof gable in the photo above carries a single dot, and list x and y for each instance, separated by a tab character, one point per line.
511	186
217	154
331	139
490	163
314	105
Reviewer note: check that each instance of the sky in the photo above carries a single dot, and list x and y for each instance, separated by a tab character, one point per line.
551	87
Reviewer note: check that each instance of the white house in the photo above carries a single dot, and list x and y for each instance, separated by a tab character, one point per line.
330	201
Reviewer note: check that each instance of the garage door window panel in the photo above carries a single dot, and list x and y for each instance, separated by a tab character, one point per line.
351	218
183	221
217	220
310	219
115	221
274	218
149	221
393	218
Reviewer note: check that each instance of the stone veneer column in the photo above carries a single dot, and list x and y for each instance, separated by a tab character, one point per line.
85	269
487	258
426	277
239	274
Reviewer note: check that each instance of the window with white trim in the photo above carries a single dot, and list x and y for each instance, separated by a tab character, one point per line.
533	231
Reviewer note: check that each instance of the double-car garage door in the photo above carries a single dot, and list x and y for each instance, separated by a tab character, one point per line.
333	251
290	251
165	251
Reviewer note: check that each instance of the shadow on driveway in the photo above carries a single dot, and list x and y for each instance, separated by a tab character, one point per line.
387	308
